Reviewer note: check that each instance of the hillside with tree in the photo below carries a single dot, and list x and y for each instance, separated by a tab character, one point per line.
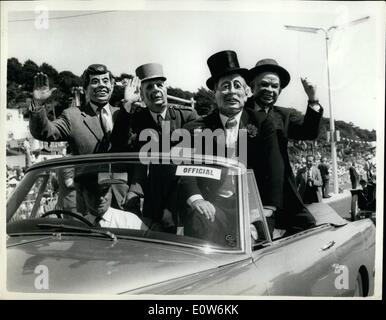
20	85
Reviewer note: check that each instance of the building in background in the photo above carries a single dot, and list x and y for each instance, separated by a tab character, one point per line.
17	134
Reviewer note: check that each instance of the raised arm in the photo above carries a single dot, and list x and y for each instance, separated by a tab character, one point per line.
122	133
307	127
40	126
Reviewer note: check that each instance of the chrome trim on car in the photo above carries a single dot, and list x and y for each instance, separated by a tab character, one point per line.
124	156
135	157
278	243
204	248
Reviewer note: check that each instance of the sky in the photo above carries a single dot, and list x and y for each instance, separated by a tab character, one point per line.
182	35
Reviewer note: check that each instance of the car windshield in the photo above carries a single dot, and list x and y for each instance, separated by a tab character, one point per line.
184	204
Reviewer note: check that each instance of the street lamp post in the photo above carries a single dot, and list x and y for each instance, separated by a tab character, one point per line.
332	123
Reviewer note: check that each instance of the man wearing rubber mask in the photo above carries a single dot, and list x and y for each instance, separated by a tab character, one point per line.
158	119
87	129
267	80
228	81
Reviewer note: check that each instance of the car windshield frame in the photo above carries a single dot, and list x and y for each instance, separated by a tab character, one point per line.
243	219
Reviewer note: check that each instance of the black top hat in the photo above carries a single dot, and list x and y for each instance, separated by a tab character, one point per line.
270	65
223	63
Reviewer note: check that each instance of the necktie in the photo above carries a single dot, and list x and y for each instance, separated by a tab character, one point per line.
104	119
159	120
231	123
97	222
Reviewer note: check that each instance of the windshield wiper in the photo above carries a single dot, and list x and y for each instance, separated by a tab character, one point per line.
64	227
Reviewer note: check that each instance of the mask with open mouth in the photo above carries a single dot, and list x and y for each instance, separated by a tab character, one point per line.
100	88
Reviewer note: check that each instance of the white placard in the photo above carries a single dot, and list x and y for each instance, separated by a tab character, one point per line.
195	171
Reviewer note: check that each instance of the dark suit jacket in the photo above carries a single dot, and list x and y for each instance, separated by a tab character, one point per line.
354	177
323	168
128	126
158	185
263	154
289	125
80	127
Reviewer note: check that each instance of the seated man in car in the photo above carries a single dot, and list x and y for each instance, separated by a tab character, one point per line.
98	195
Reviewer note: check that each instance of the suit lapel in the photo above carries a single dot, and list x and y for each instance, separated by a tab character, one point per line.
213	121
149	120
114	112
244	120
91	121
278	120
168	117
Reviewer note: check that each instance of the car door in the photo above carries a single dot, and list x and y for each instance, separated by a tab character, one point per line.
298	265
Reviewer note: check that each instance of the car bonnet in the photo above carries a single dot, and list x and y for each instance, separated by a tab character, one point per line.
83	265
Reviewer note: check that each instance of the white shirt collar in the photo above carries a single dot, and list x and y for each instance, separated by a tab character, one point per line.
225	118
106	107
155	115
108	214
106	217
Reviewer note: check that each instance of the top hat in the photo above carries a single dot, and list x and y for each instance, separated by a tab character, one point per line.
150	71
223	63
270	65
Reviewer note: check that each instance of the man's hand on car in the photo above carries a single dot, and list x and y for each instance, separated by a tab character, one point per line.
205	208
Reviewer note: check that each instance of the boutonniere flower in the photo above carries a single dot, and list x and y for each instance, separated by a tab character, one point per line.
252	131
132	137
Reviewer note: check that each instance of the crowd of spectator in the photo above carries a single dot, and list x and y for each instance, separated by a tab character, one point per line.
343	167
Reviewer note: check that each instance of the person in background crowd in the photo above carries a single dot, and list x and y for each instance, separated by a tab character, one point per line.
354	176
36	156
324	171
19	174
369	168
88	128
367	201
267	80
66	188
118	97
309	182
27	152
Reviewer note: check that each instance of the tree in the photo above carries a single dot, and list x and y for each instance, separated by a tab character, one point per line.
67	80
14	70
205	101
51	72
177	92
29	70
15	95
124	76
